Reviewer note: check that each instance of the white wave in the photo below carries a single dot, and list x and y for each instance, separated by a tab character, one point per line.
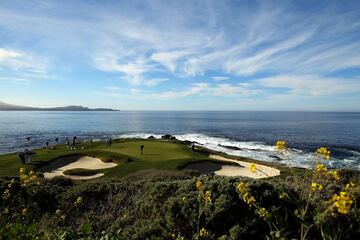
254	150
139	135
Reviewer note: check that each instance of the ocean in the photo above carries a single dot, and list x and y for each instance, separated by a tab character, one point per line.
248	134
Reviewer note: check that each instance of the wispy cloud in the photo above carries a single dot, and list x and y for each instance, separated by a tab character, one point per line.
19	66
220	78
311	85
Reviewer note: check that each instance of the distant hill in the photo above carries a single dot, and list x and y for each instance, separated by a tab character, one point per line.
11	107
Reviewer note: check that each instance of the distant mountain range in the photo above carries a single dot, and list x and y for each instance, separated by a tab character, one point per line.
11	107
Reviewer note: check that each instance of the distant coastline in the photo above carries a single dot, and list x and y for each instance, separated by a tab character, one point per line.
11	107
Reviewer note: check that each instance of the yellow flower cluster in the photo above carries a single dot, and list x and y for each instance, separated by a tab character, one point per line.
198	185
203	232
242	187
350	186
78	201
25	211
252	167
6	194
27	179
60	215
6	211
207	197
283	195
320	168
249	199
323	152
12	182
281	146
334	175
342	202
316	187
246	196
263	212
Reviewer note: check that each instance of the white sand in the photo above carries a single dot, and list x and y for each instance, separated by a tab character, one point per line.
243	169
57	167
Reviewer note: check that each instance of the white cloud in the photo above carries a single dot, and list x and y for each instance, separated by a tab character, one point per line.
154	82
194	89
19	66
17	60
131	71
170	59
220	78
113	89
311	84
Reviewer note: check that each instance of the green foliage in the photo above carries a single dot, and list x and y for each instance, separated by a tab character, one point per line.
170	208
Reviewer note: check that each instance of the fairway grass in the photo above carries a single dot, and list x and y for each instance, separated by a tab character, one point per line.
158	155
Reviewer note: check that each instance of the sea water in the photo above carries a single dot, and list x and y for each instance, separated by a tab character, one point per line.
248	134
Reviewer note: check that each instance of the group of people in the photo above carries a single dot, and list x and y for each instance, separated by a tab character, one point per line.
26	156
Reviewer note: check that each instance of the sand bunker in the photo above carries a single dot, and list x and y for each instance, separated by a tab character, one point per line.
57	167
233	168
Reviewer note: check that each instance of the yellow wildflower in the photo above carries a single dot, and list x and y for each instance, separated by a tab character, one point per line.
31	173
11	183
241	187
252	167
24	211
184	199
334	174
248	199
58	212
283	195
203	232
323	152
207	197
22	171
262	212
62	217
350	185
199	185
6	194
316	187
280	146
342	202
320	168
6	211
78	201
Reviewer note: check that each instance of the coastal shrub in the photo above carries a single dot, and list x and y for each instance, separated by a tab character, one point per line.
206	207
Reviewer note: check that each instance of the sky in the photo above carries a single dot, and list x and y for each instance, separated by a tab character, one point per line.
181	55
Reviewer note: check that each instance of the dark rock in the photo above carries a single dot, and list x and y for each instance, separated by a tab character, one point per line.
276	157
168	137
230	147
151	137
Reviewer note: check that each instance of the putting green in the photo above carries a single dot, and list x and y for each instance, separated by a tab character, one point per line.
157	155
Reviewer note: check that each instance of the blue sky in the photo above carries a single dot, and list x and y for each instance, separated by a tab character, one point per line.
181	55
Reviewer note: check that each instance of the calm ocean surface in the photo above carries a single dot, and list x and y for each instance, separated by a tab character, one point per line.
254	133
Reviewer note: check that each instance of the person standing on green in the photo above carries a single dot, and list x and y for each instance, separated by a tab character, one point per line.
141	149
